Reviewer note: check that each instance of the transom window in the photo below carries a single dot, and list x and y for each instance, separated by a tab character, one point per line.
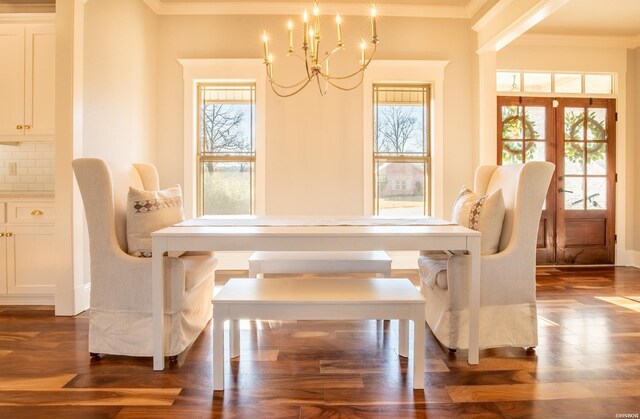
553	82
401	151
226	148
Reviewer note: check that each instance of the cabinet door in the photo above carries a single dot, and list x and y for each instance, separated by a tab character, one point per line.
3	261
11	79
40	59
30	259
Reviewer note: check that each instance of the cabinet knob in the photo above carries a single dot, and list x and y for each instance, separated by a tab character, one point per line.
27	127
37	212
1	234
9	234
19	127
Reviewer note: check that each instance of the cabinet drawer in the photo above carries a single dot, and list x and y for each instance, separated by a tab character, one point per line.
30	212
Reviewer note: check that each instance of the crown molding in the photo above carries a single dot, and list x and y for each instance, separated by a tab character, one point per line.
490	15
27	17
578	41
288	8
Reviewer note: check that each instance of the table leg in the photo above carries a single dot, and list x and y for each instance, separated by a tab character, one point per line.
418	349
474	300
403	338
218	352
234	338
158	247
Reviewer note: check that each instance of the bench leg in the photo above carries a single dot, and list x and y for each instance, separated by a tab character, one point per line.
418	352
403	337
218	353
234	338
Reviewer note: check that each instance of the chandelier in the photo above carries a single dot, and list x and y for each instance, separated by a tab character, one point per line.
316	66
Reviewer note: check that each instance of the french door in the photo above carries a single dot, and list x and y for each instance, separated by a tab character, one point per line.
578	136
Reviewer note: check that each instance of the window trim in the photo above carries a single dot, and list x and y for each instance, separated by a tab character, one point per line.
220	71
406	72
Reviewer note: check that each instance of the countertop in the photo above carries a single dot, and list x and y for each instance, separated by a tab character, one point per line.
9	195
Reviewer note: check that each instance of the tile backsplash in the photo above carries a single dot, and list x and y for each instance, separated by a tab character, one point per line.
34	167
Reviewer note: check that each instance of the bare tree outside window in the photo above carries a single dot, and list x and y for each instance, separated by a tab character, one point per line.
222	128
397	128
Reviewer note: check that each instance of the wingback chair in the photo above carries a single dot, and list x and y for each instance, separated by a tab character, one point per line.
120	320
508	314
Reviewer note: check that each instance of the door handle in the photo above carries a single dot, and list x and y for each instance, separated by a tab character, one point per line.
563	190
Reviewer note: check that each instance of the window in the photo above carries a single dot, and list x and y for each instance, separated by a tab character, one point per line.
226	149
401	156
551	82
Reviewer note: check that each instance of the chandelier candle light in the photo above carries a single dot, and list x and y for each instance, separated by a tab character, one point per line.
318	67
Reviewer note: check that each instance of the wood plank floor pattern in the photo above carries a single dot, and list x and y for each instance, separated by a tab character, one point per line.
586	365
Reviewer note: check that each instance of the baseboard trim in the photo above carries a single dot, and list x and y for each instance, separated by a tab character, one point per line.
82	297
633	258
27	300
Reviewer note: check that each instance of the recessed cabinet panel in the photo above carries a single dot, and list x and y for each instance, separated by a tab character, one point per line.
40	89
11	79
30	259
3	215
31	213
3	261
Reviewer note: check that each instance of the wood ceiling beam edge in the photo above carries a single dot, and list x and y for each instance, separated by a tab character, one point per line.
512	20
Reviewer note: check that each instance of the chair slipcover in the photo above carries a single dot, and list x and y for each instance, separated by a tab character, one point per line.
508	314
120	320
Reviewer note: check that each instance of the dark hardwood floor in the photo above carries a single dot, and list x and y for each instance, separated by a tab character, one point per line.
587	365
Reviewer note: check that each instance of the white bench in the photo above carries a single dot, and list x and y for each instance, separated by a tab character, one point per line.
325	299
319	262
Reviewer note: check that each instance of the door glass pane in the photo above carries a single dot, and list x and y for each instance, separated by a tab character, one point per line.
534	120
512	122
574	124
535	151
226	188
507	81
597	193
574	193
511	152
574	158
596	158
568	83
537	82
597	124
598	83
400	188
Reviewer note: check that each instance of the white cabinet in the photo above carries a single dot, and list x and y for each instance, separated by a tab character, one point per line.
27	82
27	252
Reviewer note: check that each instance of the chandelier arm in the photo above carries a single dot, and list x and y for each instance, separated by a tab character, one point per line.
292	93
358	71
282	86
322	93
337	86
326	57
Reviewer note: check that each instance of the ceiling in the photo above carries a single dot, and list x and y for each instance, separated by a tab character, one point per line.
593	18
577	17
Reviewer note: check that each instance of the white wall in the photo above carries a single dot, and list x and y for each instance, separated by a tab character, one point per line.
550	56
120	80
314	145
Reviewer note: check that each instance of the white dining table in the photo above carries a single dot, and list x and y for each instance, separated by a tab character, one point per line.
312	234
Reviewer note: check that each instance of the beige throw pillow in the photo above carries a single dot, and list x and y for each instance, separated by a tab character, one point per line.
148	211
482	213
